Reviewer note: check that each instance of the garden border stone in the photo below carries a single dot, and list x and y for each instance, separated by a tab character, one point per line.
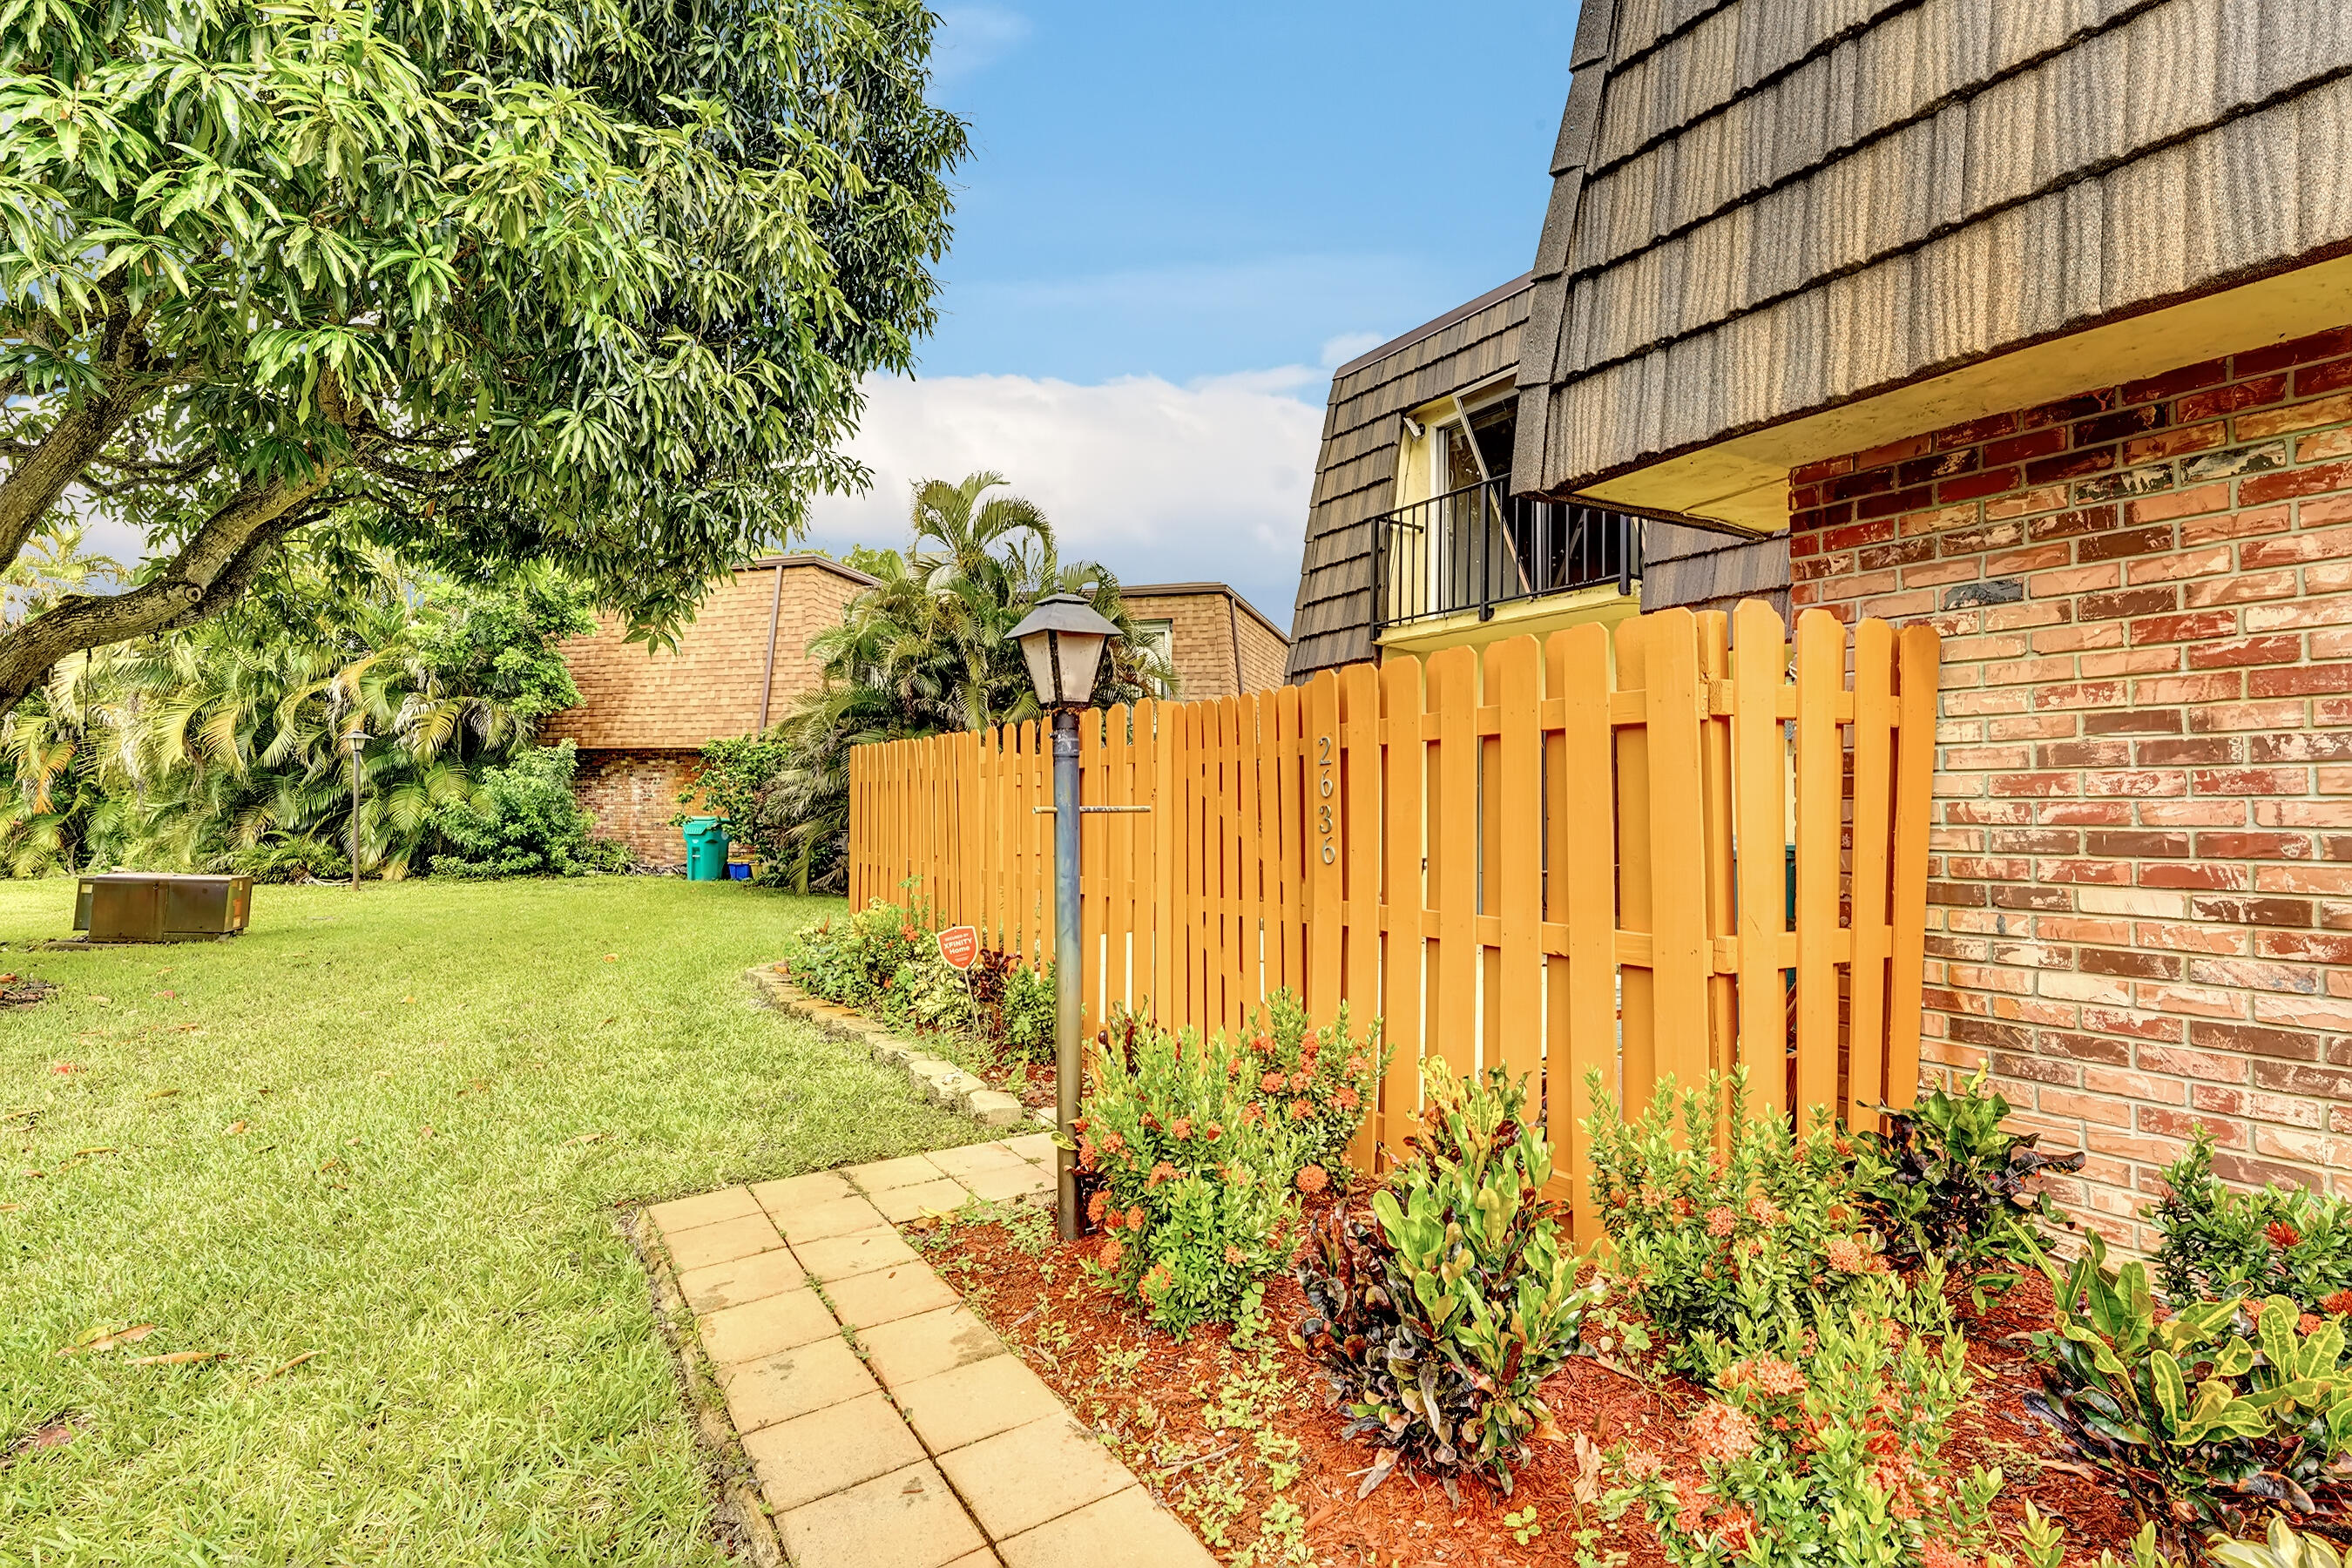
943	1083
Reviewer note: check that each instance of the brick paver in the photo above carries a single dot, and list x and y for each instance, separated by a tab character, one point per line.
829	1450
899	1205
1019	1480
887	1424
908	1518
976	1400
745	1280
722	1243
762	1328
793	1382
927	1344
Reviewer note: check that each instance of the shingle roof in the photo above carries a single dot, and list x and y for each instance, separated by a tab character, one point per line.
1355	476
1764	207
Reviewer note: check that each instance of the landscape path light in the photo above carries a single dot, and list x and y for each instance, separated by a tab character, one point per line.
1061	639
355	739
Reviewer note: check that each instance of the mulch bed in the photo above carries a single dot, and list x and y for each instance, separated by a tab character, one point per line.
17	992
1154	1399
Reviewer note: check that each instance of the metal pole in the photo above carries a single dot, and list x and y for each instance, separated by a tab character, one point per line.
1067	963
355	813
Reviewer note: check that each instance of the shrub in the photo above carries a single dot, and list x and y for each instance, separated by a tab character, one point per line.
1726	1253
1831	1455
2277	1242
1203	1146
1436	1327
854	960
2281	1548
522	821
1013	1004
2209	1417
738	786
1947	1184
1195	1179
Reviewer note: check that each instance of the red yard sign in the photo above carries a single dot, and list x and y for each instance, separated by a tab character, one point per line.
960	945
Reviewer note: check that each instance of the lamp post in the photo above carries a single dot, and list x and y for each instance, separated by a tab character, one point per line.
1062	640
355	739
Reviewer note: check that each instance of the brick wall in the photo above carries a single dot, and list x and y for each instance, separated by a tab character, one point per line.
1205	625
1263	655
2142	881
709	685
633	794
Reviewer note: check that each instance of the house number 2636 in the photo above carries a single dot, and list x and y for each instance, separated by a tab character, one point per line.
1327	821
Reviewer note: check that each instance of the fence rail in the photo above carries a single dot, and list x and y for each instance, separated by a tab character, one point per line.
1555	857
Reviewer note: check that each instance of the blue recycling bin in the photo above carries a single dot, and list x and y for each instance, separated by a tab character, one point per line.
706	850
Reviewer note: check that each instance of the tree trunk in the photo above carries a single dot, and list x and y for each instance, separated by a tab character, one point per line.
212	569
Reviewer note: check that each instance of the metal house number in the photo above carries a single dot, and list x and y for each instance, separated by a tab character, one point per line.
1327	819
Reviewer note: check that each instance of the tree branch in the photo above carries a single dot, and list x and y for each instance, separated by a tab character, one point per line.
37	481
214	566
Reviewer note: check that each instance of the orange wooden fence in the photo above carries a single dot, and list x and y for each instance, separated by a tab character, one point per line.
1535	855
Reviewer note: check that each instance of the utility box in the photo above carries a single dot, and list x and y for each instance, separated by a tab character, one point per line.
162	905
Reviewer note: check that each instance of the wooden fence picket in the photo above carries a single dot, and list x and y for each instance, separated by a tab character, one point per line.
1561	858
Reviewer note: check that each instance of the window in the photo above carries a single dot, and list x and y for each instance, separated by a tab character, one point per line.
1160	636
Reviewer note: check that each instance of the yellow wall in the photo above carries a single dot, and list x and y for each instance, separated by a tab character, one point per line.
1542	616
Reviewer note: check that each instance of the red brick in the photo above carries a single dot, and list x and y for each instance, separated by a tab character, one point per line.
2304	680
2296	351
1825	468
2127	541
2274	649
2185	627
2293	482
2311	380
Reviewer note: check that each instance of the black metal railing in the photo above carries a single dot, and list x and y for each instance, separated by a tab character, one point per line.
1482	546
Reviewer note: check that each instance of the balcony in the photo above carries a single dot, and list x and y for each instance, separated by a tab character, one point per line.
1473	549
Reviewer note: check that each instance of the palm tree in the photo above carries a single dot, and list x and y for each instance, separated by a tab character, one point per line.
924	652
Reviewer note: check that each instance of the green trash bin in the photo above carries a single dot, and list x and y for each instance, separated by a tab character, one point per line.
706	850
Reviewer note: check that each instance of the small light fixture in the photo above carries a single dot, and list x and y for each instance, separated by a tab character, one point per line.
1062	640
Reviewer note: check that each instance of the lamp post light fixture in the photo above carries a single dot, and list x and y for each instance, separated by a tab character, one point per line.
355	739
1062	639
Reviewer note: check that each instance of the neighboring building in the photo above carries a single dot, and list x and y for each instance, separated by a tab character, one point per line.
644	716
2031	319
1419	539
1220	643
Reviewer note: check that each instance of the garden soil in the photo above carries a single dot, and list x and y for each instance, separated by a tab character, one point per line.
1156	1394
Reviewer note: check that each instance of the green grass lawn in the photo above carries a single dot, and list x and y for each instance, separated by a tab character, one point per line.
387	1132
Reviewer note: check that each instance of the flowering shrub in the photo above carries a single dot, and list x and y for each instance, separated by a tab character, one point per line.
1947	1183
1198	1179
2212	1416
1317	1080
2278	1242
883	961
1832	1454
1726	1253
1436	1330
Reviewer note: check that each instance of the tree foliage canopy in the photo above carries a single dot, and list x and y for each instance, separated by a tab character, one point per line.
489	281
924	652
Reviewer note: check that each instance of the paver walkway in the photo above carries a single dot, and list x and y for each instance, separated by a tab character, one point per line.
888	1427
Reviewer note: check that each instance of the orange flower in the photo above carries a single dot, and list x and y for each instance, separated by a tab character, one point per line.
1109	1252
1180	1129
1766	1375
1356	1066
1311	1179
2310	1322
1847	1256
1300	1110
2282	1235
1271	1083
1721	1221
1301	1081
1764	1211
2340	1304
1720	1432
1233	1258
1135	1217
1212	1133
1162	1171
1347	1100
1094	1208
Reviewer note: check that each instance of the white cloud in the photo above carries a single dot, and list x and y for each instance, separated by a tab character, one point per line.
974	38
1159	482
1338	351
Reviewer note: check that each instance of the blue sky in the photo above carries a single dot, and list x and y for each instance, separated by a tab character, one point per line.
1175	219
